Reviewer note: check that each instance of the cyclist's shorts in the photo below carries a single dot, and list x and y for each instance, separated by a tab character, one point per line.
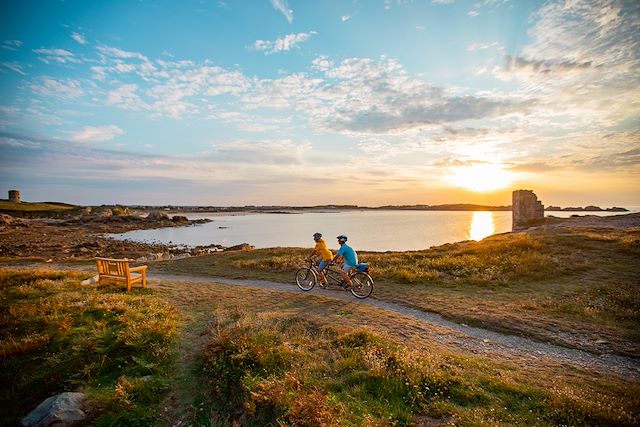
346	268
323	265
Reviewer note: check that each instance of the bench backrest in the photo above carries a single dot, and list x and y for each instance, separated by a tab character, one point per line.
113	267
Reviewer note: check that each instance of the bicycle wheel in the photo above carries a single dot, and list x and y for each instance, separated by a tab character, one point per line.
361	285
305	278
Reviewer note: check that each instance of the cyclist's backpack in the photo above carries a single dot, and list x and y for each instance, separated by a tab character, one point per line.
363	267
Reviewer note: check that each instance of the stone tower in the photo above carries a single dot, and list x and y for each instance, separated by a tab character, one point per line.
525	207
14	196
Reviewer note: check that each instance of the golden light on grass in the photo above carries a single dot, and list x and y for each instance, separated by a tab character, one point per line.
481	226
480	177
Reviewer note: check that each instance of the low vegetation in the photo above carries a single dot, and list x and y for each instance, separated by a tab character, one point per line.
57	336
216	355
8	206
582	282
250	357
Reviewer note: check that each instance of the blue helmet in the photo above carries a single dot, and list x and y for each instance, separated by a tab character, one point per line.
342	238
317	236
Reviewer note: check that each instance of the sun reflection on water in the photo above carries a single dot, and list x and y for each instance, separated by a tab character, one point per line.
481	226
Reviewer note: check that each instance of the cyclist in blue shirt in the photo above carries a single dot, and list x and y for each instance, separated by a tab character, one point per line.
350	258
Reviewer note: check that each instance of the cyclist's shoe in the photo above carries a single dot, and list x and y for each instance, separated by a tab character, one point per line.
323	284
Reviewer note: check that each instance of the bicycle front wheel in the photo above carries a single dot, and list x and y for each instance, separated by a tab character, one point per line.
305	278
361	285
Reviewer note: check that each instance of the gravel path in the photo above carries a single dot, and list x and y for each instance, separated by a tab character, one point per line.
475	340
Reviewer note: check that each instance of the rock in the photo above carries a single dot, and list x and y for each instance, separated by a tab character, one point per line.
105	213
156	215
241	247
142	259
61	410
6	219
182	256
90	281
179	218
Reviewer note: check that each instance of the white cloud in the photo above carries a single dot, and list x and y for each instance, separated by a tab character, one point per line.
482	46
96	134
11	44
114	52
61	56
442	1
48	86
345	18
582	56
282	7
14	66
281	44
79	38
125	96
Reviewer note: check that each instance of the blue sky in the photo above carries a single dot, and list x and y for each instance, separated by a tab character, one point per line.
301	102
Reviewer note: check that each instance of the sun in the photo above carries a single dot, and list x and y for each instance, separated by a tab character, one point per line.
480	177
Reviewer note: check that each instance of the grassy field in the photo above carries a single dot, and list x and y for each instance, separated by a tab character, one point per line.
57	336
575	286
7	206
216	355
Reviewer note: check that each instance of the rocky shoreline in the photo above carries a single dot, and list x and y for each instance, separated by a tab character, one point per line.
82	237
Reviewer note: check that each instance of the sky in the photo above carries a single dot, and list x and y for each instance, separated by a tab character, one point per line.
297	102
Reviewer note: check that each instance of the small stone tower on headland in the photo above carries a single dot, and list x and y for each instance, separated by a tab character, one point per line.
525	207
14	196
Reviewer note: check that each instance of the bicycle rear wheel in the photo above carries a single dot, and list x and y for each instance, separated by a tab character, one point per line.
305	278
361	285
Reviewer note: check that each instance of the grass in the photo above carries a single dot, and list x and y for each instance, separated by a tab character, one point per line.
215	355
58	336
266	360
6	205
572	286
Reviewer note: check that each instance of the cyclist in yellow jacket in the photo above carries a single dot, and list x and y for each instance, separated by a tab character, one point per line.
325	256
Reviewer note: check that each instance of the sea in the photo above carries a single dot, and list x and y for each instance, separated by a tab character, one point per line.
368	230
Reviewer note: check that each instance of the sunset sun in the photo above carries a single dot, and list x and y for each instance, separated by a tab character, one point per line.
480	177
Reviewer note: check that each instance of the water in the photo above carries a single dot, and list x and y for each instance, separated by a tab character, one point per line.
367	230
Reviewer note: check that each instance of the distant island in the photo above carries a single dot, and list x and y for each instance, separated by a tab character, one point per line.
57	209
585	209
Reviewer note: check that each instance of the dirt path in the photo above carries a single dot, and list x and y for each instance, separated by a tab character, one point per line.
472	339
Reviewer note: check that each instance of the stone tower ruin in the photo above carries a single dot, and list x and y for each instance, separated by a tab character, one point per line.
14	196
525	207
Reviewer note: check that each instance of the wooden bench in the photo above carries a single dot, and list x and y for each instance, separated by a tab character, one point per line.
119	269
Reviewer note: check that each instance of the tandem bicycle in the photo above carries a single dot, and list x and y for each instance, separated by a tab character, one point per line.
361	282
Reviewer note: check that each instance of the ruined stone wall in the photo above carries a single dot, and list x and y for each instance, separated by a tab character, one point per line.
525	207
14	196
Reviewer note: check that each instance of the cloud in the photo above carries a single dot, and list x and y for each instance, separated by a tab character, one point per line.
14	66
11	44
363	96
345	18
125	96
275	152
96	134
442	1
65	88
282	44
482	46
79	38
282	7
60	56
582	55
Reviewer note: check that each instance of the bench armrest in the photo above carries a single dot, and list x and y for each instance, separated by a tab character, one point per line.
136	269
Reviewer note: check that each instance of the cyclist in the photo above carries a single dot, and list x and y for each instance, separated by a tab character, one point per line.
350	258
325	255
